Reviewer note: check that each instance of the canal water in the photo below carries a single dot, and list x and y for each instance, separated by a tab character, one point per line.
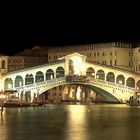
71	122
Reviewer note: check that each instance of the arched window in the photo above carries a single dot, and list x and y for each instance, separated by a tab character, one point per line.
18	81
120	80
39	77
8	83
49	74
71	67
100	75
29	79
138	84
60	72
3	64
130	82
110	77
90	72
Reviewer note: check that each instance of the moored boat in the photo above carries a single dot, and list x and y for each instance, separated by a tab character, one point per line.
133	103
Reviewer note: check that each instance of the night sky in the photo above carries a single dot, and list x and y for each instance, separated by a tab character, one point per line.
20	40
19	32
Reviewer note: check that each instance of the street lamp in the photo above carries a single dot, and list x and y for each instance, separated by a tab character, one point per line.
2	98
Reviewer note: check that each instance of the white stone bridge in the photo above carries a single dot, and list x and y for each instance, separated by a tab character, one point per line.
114	84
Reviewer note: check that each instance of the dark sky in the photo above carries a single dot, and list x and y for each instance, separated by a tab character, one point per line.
22	31
16	40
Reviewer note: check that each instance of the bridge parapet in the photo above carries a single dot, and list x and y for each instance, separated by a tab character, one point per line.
85	79
44	83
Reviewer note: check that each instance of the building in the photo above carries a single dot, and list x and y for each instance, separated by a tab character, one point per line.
112	54
115	54
37	51
3	63
136	58
20	62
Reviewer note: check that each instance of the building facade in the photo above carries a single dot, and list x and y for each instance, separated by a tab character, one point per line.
112	54
136	59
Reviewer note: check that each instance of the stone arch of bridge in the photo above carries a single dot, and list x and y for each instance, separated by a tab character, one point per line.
105	94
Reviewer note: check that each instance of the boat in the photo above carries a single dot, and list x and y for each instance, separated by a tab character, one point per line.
134	100
10	104
133	103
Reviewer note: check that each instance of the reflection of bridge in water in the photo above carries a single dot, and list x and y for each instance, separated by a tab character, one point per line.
113	84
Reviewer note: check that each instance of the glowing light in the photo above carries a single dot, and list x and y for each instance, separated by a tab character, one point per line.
78	65
78	93
51	77
120	82
2	96
97	76
20	83
9	85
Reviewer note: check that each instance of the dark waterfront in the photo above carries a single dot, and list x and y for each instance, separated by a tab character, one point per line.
71	122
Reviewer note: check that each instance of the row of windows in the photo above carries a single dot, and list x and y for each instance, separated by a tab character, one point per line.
90	54
15	61
26	61
55	57
91	46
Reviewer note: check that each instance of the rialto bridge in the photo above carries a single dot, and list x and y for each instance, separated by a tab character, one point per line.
113	84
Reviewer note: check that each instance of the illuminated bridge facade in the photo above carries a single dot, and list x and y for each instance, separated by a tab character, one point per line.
115	85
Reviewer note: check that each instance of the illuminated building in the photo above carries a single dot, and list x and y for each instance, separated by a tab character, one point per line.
116	54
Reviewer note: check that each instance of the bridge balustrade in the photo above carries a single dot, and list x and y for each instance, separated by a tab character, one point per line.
75	78
40	83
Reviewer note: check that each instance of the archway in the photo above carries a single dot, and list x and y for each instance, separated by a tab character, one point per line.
3	64
71	67
39	77
90	72
49	74
18	81
130	82
8	83
65	93
60	72
29	79
100	75
120	80
138	84
110	77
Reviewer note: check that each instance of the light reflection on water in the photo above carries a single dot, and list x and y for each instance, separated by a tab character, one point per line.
71	122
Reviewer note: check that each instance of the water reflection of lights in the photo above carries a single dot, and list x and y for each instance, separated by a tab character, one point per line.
76	122
2	117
